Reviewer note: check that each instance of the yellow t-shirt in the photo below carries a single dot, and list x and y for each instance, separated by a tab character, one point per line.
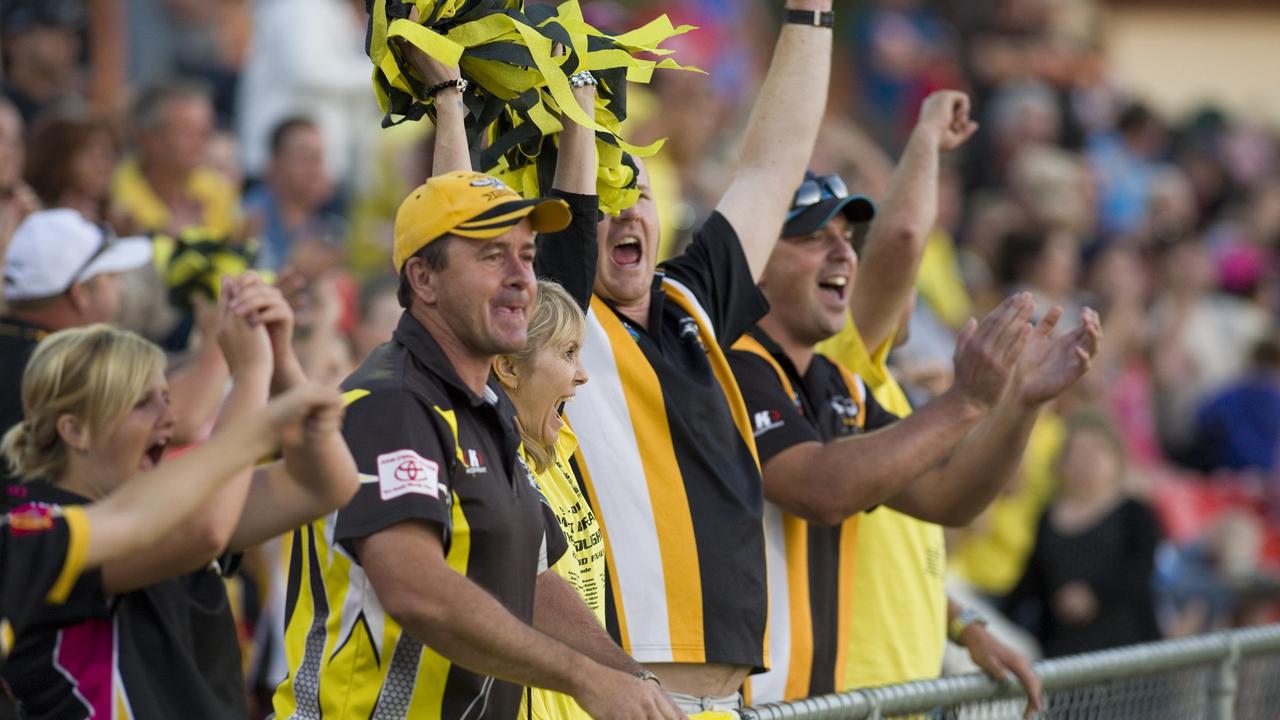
939	281
132	196
898	629
583	566
992	559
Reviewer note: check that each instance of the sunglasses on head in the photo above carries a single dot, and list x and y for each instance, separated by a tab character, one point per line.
814	190
104	244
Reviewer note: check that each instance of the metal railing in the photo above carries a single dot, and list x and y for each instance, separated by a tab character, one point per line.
1224	676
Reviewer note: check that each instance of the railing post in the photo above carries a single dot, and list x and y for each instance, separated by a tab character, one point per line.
1224	683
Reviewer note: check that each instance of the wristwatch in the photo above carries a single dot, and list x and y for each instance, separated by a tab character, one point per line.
962	621
647	675
813	18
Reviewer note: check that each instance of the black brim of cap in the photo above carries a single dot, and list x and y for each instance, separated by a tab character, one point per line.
544	214
856	209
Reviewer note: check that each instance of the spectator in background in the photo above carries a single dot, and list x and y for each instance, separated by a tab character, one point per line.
69	164
1239	428
1046	263
306	57
61	271
289	203
379	312
41	40
166	186
16	198
1200	338
1123	163
1088	583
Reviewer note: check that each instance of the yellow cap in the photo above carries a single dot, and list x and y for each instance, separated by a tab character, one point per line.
471	205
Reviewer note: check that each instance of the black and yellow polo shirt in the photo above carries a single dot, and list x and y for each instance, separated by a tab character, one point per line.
666	455
810	566
427	449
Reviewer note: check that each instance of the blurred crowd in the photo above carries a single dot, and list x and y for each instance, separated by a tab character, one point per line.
253	124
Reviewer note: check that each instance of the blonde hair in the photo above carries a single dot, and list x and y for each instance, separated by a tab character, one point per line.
96	373
556	319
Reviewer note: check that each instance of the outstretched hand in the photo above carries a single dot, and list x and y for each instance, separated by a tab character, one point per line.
1049	365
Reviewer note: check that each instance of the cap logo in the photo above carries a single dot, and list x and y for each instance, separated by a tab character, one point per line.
488	182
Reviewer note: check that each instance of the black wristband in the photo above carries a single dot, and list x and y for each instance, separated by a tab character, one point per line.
460	83
812	18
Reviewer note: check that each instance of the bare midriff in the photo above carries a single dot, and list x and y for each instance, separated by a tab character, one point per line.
700	679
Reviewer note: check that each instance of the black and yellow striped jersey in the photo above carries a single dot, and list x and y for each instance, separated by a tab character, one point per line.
666	455
428	450
810	566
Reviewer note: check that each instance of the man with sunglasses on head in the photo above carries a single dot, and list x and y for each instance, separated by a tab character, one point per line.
60	271
830	452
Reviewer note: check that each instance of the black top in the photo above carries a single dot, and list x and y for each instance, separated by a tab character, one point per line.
41	551
423	442
1114	558
569	256
821	408
824	405
171	647
18	339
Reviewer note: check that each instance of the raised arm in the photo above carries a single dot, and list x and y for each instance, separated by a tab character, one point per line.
206	533
895	244
318	474
780	135
569	256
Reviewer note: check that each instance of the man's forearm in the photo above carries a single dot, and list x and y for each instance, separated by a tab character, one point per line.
982	465
848	476
450	152
471	628
560	612
780	135
896	242
197	389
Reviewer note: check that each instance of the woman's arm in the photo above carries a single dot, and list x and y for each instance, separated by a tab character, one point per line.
147	508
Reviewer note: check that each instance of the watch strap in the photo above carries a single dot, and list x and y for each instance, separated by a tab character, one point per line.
813	18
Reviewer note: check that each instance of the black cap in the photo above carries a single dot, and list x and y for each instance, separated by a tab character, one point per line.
857	209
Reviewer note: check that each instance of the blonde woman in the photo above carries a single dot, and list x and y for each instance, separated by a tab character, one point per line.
539	380
151	634
44	548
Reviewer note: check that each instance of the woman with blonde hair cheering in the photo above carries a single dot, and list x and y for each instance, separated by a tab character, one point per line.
539	380
151	634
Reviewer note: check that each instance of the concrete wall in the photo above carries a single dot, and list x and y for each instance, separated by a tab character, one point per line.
1180	57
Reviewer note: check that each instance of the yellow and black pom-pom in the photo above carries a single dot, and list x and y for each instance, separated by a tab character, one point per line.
194	262
519	91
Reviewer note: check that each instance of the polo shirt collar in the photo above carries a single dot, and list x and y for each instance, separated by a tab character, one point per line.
410	333
773	347
22	327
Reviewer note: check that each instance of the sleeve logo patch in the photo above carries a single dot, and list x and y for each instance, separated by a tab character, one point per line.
767	420
31	519
404	472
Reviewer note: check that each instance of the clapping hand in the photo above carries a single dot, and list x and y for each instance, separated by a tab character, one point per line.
1049	365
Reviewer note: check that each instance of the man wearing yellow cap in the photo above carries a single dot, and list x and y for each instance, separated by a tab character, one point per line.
418	599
